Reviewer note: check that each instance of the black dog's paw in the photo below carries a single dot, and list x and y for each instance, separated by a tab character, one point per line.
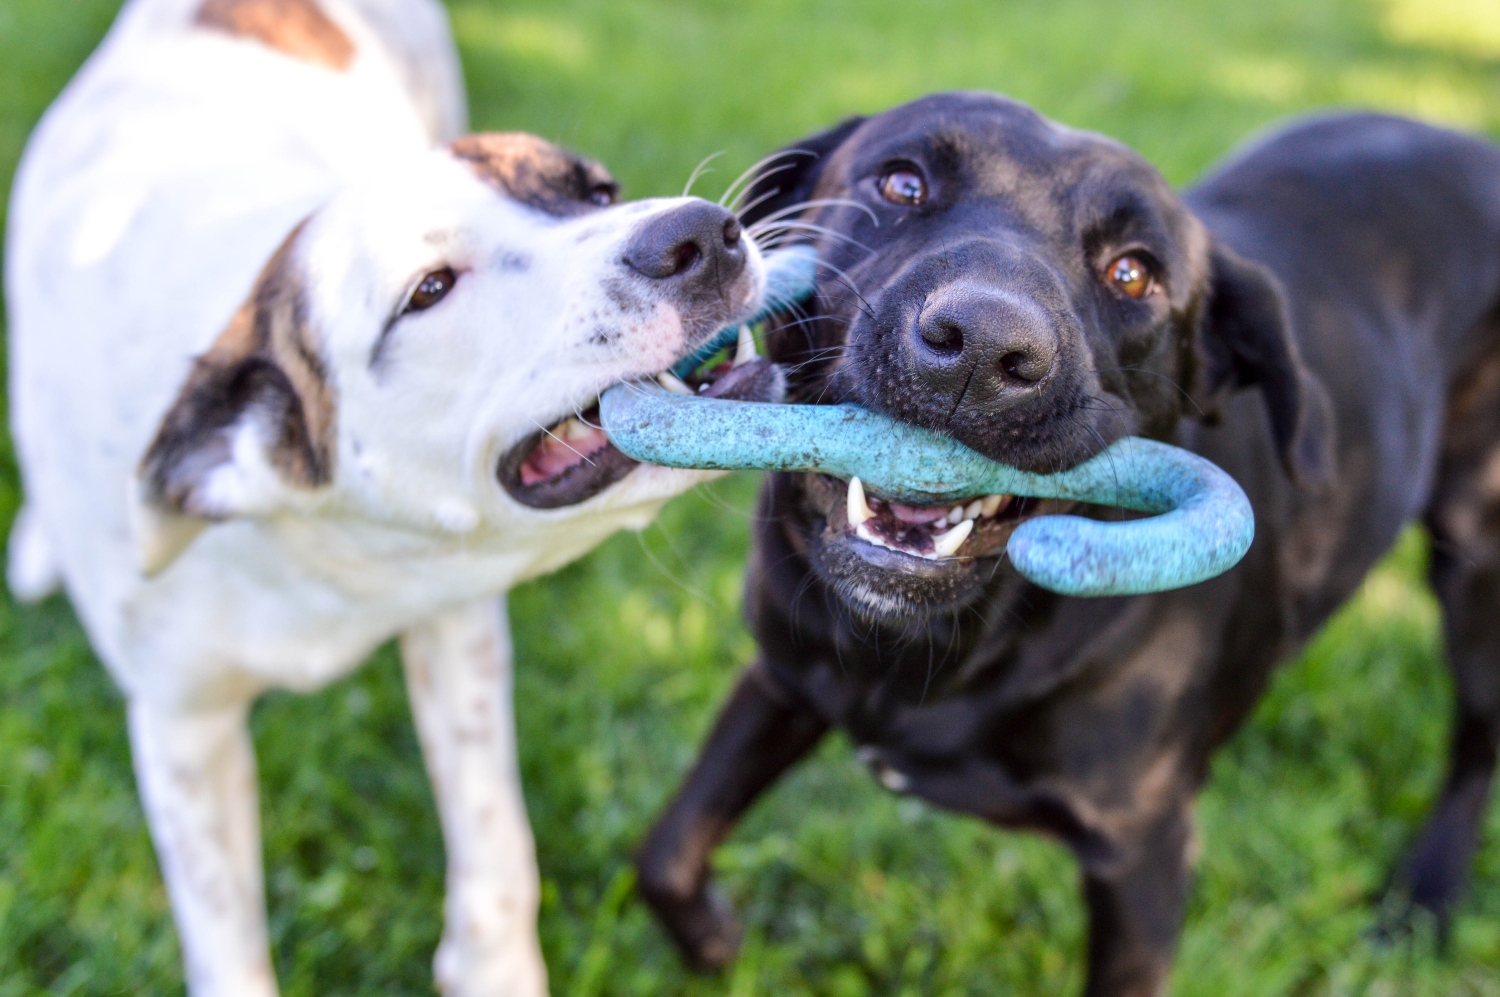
703	925
717	941
1403	921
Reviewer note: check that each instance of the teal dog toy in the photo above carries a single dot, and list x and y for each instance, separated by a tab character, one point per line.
1200	526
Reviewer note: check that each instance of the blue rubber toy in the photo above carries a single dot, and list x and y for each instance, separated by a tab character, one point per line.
1201	522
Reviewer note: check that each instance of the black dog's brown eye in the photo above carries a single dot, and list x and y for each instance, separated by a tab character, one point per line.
1131	277
904	187
434	288
603	195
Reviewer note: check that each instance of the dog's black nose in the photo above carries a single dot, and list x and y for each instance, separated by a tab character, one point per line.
975	343
698	245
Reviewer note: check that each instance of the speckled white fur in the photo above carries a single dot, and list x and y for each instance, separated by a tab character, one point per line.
150	197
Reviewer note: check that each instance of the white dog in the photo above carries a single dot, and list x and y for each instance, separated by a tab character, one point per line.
385	427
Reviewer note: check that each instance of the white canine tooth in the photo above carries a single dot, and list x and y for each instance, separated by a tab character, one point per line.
858	508
574	429
991	504
670	381
955	515
745	351
972	510
947	544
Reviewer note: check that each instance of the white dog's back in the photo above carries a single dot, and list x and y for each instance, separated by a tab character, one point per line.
141	215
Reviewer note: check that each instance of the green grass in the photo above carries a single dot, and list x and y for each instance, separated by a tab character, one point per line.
622	658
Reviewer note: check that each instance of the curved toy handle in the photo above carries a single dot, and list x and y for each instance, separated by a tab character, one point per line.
1201	526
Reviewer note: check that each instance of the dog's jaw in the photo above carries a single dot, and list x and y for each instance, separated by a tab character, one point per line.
898	564
473	417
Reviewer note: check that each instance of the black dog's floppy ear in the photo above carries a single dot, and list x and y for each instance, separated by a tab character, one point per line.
1245	339
790	176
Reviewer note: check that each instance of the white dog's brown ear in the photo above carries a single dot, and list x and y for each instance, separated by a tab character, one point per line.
251	430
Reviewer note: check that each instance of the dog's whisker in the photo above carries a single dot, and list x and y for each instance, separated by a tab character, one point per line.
700	170
823	202
762	199
667	572
564	442
1114	469
832	267
757	172
1154	373
784	226
865	306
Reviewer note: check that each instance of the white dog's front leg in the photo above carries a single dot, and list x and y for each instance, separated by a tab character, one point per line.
197	781
458	674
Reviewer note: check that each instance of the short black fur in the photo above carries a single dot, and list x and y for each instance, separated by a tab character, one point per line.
1325	330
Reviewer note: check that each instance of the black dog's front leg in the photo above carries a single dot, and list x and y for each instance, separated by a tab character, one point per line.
1135	911
759	734
1135	884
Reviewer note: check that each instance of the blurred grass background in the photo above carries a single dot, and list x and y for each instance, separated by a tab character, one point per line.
623	657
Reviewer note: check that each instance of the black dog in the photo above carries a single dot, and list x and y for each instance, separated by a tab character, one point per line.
1319	318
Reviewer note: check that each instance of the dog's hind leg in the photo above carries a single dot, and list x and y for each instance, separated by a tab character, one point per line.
197	781
1464	521
760	733
458	675
1436	869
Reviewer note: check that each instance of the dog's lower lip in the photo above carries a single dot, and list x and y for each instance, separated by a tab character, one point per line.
565	464
573	460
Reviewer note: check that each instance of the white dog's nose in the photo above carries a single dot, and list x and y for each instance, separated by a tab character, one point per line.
697	247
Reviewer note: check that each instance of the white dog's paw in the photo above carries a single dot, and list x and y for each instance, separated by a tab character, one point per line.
476	960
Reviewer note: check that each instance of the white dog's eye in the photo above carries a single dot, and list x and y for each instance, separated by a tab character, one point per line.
433	288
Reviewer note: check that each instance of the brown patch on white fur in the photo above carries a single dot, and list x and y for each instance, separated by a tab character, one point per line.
266	363
534	171
297	28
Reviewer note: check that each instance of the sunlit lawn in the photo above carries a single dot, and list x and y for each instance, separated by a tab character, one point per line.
623	657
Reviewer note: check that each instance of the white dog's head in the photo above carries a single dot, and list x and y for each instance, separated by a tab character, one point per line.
427	348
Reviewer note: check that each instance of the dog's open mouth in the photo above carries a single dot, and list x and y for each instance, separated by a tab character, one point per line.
976	527
564	464
932	532
572	460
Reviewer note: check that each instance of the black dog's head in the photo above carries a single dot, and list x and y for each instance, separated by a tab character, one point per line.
1033	291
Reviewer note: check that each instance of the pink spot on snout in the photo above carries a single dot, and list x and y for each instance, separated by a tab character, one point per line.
659	341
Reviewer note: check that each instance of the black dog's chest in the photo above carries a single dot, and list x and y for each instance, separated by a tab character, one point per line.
927	696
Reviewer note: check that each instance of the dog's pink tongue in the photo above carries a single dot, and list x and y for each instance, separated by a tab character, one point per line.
566	446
